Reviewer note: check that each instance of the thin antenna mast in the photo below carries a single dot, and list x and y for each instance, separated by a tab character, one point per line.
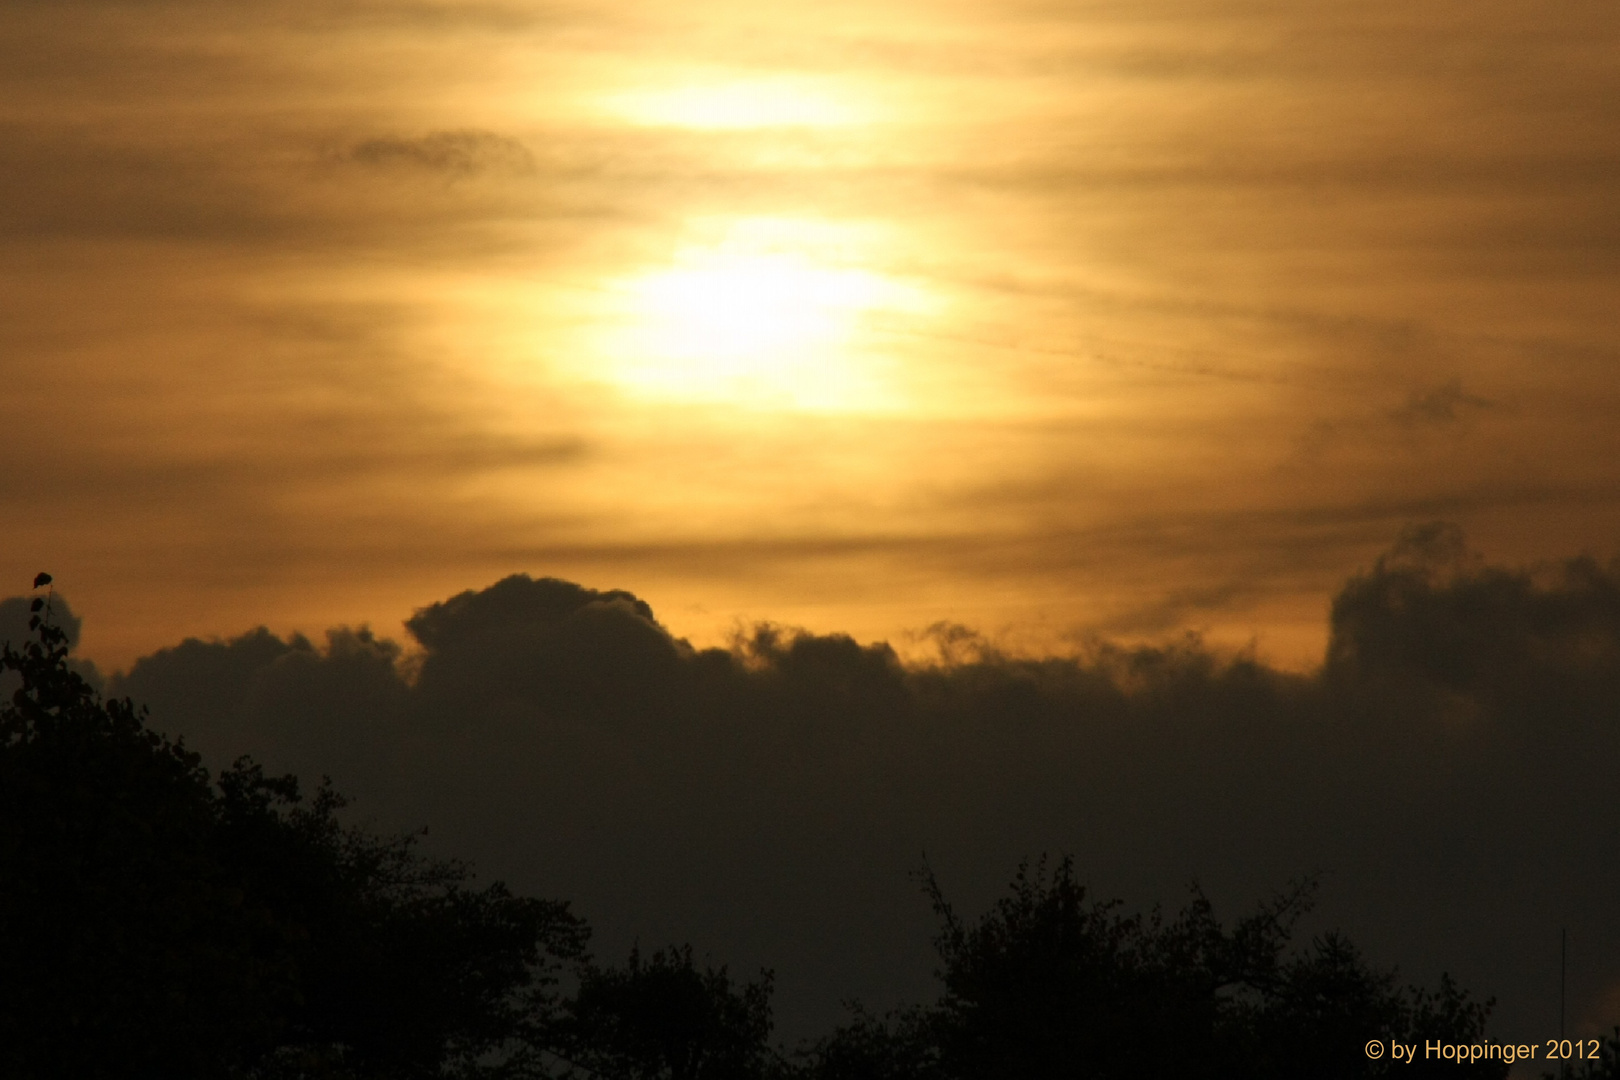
1563	968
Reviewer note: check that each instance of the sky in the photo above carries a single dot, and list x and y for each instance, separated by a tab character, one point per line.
1052	332
1055	320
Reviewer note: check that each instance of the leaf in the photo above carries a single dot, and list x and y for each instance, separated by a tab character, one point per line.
33	623
36	605
41	578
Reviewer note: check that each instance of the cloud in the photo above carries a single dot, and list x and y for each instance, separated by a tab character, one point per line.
283	259
1448	768
455	153
1444	404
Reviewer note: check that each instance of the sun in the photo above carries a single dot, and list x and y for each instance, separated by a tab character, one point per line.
746	326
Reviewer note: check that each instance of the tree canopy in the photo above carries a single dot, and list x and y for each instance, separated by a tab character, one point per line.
1051	983
157	921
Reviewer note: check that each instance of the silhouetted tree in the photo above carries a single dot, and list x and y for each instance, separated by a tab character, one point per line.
899	1046
665	1018
154	923
1052	984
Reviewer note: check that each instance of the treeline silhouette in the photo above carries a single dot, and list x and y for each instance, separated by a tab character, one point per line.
160	921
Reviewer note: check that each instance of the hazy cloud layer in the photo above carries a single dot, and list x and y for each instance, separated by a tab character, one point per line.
1449	770
1175	309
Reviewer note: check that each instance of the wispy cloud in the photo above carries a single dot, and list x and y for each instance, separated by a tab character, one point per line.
457	153
1214	297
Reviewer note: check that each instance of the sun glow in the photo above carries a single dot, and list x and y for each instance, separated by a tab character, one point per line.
743	323
740	105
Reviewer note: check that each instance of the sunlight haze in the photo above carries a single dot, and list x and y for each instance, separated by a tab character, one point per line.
1056	320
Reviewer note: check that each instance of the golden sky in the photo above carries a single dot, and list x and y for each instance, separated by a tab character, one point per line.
1053	319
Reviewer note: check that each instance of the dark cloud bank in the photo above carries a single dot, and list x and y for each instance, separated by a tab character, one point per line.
1451	772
